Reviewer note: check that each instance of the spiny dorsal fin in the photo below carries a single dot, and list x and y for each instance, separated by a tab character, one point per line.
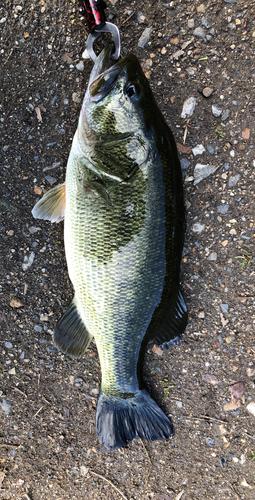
70	334
52	205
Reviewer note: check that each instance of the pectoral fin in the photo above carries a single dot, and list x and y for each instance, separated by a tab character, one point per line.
52	205
99	190
70	334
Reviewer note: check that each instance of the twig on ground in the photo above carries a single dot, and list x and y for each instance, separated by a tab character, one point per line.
38	411
21	392
129	17
108	481
205	417
234	491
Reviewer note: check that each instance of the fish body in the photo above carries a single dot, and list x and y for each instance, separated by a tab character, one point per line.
123	210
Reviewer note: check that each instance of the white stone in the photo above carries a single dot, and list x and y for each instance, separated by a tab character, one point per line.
251	408
198	150
198	228
188	107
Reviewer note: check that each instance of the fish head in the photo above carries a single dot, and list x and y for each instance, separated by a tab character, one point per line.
118	98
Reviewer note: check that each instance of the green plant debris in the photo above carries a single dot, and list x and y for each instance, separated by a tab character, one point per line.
246	257
252	455
219	131
167	389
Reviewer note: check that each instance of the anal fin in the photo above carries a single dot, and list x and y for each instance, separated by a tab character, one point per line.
70	334
52	205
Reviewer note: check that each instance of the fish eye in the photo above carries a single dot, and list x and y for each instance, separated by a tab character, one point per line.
132	90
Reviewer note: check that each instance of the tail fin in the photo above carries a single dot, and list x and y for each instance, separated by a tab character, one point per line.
119	420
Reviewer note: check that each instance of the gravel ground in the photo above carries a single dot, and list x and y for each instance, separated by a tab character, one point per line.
48	443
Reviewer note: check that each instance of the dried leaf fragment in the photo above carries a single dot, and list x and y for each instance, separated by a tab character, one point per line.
244	483
211	379
37	189
246	134
2	476
224	321
233	405
237	390
157	350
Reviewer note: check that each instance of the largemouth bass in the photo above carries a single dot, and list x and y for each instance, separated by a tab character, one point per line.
123	210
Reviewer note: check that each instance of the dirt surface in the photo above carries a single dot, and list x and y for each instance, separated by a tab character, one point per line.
48	444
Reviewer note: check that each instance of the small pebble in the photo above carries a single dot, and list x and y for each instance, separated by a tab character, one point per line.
202	172
85	55
76	98
205	23
199	32
28	261
144	38
38	328
140	17
198	228
8	345
84	470
201	8
179	404
224	308
207	91
223	209
229	339
191	23
225	115
188	107
216	110
51	180
233	180
191	71
232	26
210	149
210	441
251	408
51	348
198	150
95	391
34	229
80	66
223	462
185	163
6	406
212	256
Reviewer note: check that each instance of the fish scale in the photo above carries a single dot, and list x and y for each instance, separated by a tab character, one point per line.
123	210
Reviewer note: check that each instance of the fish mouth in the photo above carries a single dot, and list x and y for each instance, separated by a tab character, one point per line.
104	74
